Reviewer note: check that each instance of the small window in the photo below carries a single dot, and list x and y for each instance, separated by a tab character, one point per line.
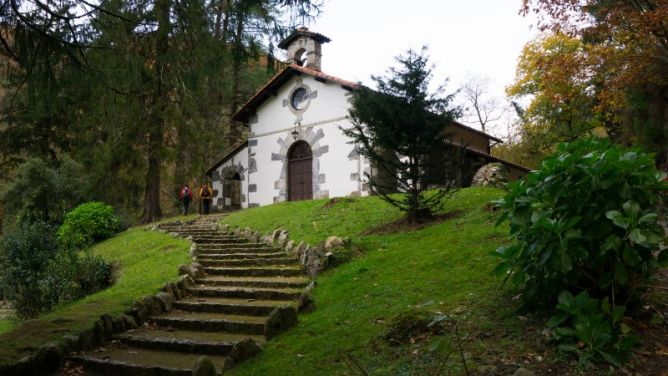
299	99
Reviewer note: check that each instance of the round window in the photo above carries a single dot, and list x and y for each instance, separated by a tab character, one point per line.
299	99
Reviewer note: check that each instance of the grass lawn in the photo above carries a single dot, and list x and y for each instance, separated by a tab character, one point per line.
145	260
6	325
445	267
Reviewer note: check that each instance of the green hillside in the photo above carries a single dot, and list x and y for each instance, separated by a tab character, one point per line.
444	267
144	261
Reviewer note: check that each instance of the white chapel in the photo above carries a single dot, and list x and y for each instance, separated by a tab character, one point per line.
296	149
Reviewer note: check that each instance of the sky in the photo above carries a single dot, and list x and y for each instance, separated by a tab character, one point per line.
481	37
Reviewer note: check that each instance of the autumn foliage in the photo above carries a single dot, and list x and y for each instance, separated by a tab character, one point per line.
603	63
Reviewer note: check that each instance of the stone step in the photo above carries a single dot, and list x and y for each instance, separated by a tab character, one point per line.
206	229
216	343
211	322
242	255
215	235
278	281
286	271
218	240
119	359
245	292
240	245
234	249
203	236
220	244
212	262
195	232
232	306
234	245
187	225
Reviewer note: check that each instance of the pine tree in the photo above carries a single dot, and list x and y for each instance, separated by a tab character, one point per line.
401	128
137	91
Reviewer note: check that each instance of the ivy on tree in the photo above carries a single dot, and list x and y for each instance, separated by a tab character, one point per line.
401	128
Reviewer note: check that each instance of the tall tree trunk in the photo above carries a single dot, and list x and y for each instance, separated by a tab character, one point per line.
238	57
218	6
152	209
226	22
157	102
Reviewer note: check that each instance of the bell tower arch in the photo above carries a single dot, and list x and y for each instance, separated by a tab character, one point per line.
304	48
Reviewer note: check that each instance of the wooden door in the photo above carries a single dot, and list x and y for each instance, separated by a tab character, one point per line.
300	172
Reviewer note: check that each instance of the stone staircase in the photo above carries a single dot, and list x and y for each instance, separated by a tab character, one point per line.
244	283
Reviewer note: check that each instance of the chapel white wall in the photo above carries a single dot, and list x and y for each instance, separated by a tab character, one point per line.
337	170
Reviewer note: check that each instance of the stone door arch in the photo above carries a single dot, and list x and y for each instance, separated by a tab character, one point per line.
232	191
300	172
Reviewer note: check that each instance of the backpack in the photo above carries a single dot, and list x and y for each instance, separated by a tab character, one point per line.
186	192
206	192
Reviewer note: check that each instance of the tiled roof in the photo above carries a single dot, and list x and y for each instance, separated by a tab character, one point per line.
302	32
326	77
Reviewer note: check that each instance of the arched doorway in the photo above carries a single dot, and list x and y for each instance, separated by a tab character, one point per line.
232	192
300	172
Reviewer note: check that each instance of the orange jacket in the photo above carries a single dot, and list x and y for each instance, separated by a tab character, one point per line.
205	196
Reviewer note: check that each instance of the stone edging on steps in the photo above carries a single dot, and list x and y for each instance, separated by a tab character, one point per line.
51	356
313	259
280	319
203	267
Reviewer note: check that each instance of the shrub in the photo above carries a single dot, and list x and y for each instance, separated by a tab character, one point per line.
43	191
37	275
585	221
26	252
88	223
93	273
593	328
58	283
73	275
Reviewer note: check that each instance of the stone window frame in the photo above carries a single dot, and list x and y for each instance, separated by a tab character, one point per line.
309	94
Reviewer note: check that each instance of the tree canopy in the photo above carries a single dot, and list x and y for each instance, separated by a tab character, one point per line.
399	126
619	61
551	71
139	92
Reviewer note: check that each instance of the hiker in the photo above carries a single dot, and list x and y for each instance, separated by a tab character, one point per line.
185	195
205	194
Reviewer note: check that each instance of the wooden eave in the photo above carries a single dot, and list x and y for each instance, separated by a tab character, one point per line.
226	157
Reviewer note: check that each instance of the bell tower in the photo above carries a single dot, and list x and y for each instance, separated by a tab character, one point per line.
304	48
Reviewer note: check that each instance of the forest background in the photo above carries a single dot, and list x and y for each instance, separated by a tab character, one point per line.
123	101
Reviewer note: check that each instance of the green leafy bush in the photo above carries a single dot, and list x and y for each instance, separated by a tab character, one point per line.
38	275
593	328
26	252
88	223
93	273
73	275
585	221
